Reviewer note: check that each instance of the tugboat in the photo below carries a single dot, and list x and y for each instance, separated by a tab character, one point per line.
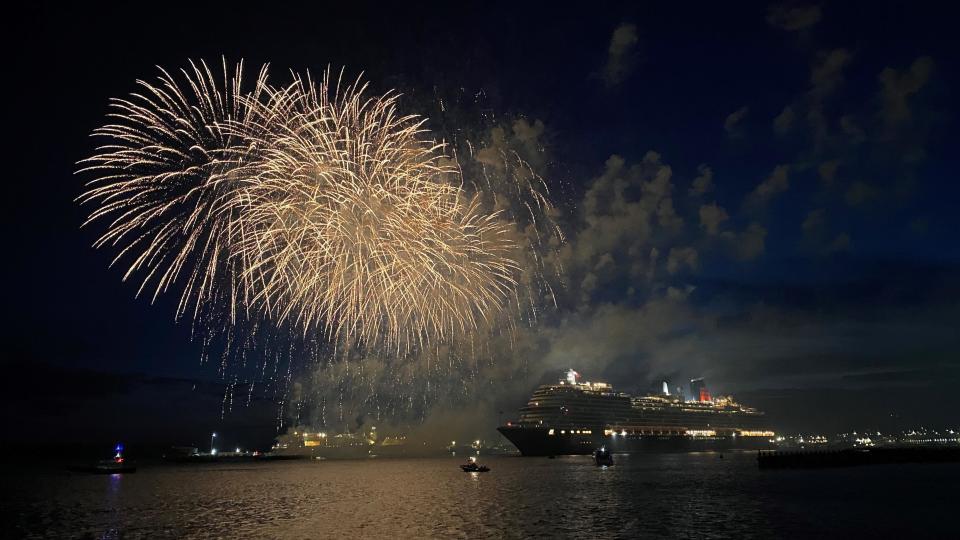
118	464
602	457
472	466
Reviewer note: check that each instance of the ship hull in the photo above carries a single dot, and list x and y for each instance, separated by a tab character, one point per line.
537	441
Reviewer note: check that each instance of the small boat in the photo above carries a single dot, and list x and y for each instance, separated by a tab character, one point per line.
117	465
602	457
113	466
472	466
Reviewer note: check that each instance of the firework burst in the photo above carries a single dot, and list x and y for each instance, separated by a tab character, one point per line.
354	221
309	204
163	183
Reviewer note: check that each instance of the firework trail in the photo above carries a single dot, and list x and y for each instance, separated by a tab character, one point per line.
311	205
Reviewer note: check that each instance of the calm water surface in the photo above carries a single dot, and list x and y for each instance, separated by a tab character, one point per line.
669	495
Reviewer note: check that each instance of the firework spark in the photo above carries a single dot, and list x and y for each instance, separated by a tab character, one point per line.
310	204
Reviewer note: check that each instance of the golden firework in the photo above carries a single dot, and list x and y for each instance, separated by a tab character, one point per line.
309	203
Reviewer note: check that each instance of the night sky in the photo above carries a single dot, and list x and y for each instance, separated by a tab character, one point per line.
764	195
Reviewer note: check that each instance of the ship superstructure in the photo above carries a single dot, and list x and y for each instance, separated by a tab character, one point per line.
304	442
573	417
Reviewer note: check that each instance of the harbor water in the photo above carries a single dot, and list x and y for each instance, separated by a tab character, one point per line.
698	495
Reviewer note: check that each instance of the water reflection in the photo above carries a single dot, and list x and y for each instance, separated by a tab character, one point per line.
114	511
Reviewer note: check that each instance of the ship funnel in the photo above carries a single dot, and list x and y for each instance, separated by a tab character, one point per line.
698	389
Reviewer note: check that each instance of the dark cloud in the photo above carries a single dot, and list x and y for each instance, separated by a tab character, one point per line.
751	242
826	75
681	258
793	17
840	243
712	217
818	237
814	221
776	183
620	54
809	109
627	212
828	171
898	87
850	128
783	122
882	137
703	183
860	193
732	124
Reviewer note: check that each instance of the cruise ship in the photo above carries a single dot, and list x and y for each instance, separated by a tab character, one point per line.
305	443
573	417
